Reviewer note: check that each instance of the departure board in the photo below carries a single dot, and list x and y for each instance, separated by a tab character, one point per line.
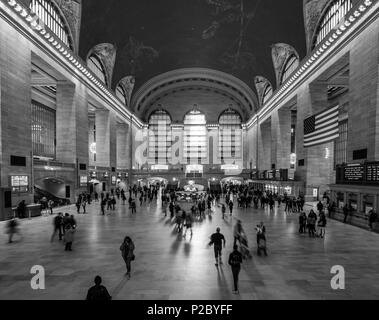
372	172
354	173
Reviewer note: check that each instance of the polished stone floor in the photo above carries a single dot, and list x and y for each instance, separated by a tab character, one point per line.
170	267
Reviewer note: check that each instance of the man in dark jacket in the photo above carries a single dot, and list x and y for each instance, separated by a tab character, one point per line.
58	223
235	260
98	292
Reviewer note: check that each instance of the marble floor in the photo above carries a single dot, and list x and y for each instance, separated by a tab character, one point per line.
170	267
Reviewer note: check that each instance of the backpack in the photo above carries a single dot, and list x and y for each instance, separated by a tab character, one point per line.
235	259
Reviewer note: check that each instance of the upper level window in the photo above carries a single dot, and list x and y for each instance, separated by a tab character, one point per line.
290	67
160	137
333	16
48	12
267	94
230	135
195	137
96	67
120	93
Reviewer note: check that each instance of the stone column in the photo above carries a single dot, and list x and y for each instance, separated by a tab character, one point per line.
72	129
106	136
122	146
264	146
281	138
15	107
318	171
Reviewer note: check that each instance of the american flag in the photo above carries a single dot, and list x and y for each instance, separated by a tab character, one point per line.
321	128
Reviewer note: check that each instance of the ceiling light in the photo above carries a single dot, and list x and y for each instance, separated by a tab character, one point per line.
12	3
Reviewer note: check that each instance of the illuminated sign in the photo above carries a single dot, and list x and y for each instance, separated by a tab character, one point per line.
230	167
20	183
114	179
83	180
293	158
159	167
92	148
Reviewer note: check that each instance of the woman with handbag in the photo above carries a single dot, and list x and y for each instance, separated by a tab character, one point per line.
127	252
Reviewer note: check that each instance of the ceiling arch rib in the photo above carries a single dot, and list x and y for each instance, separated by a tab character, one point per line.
191	79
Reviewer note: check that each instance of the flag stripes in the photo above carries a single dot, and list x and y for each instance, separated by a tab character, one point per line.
321	128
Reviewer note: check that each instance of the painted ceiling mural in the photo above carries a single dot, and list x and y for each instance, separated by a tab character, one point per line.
153	37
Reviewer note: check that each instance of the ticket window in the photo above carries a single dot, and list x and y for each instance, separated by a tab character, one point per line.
340	200
353	202
368	203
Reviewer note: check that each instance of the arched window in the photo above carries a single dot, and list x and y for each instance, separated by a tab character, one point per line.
95	65
120	93
160	137
48	12
230	135
195	137
267	94
290	67
333	16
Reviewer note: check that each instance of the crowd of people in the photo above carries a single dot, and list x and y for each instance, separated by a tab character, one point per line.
201	204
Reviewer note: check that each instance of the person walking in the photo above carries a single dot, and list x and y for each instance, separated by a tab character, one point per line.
12	229
217	240
50	205
322	224
372	218
78	204
231	207
69	237
98	292
103	203
223	210
311	223
235	260
58	222
302	222
134	206
84	204
345	213
261	239
127	252
188	224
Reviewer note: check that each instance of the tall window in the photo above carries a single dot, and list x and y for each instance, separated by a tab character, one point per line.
267	94
340	145
43	130
230	136
120	93
48	12
290	67
97	68
195	138
160	137
333	16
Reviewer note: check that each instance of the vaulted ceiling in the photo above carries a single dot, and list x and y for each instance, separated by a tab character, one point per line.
153	37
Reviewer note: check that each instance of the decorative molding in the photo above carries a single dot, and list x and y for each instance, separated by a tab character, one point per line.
313	10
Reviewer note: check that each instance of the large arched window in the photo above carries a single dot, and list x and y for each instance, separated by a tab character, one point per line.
230	135
95	65
267	94
195	138
290	67
48	12
120	93
332	17
160	137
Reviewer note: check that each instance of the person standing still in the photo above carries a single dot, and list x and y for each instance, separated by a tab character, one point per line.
235	260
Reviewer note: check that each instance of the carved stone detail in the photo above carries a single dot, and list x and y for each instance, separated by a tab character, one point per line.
261	84
127	83
106	52
281	52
